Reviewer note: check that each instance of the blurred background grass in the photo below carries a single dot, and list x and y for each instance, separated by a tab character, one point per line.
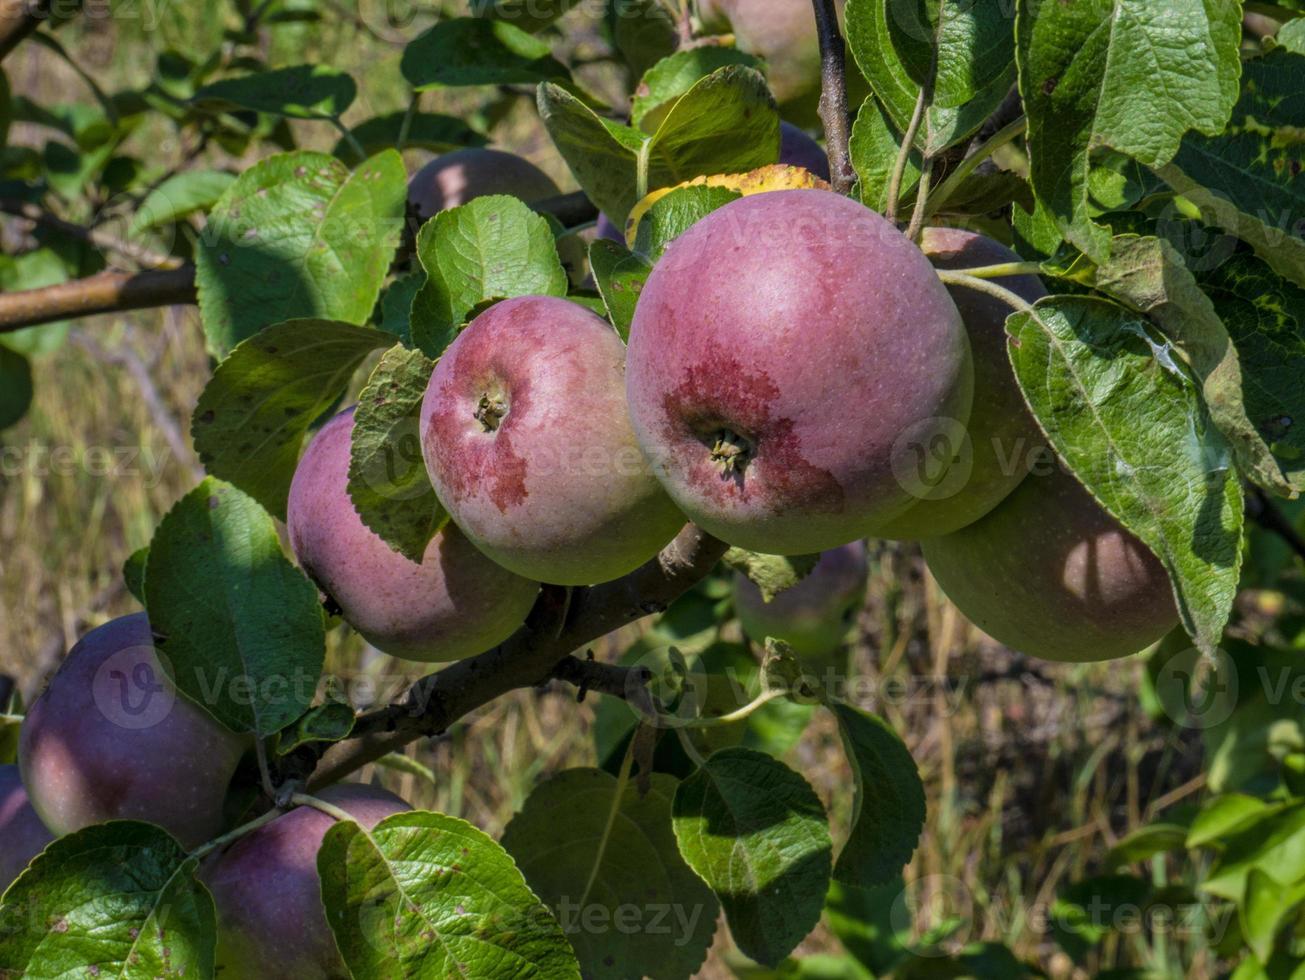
1033	770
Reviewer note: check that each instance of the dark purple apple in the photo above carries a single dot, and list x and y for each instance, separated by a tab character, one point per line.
458	177
992	454
22	835
1051	574
813	616
110	738
528	444
271	922
455	604
783	349
798	149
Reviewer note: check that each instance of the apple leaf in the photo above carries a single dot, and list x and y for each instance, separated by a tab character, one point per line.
331	721
240	625
673	214
476	51
1272	841
875	146
593	857
771	574
431	131
1129	74
643	31
180	195
15	387
396	305
251	418
674	75
387	473
426	895
491	248
299	92
888	810
529	15
1090	909
756	832
603	154
1221	816
1128	421
297	235
118	899
619	275
1247	180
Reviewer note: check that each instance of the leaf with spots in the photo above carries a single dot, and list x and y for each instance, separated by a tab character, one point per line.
670	78
387	472
1129	422
1134	75
330	721
771	574
608	867
299	92
756	832
619	275
251	418
426	895
491	248
431	131
240	626
888	810
114	900
298	236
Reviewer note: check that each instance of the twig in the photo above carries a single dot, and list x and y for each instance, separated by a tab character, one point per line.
530	657
1265	513
1011	299
904	156
921	199
967	166
833	96
94	236
18	19
108	292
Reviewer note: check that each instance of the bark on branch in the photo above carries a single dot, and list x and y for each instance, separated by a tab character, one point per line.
538	652
833	96
108	292
18	19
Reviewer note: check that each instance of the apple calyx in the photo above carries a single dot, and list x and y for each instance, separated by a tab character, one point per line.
490	411
730	452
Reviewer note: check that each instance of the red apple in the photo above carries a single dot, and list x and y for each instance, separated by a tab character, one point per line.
992	455
22	835
458	177
782	350
271	922
1051	574
110	738
528	445
455	604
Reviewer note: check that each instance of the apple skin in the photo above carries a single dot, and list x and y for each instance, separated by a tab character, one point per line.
22	835
814	335
1003	435
813	616
458	177
455	604
551	483
798	149
91	749
1051	574
271	922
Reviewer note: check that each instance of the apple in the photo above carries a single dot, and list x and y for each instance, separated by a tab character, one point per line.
993	454
110	738
528	445
782	349
271	921
455	604
813	616
781	32
22	835
1050	573
798	149
458	177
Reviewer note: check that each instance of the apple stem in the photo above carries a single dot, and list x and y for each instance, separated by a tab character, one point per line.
330	809
1011	299
1001	270
243	830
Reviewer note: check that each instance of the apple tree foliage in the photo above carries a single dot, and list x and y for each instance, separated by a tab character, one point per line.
1143	157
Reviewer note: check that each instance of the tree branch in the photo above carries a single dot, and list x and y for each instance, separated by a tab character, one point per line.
108	292
1263	512
833	96
94	236
536	653
18	19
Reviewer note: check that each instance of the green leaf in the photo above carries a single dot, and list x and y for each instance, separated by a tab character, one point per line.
133	573
1291	35
1263	910
1273	841
431	131
473	51
32	270
241	626
425	895
1091	909
609	870
1147	274
771	574
674	75
875	146
1117	408
300	92
643	31
976	50
528	15
388	482
602	154
674	213
619	275
871	42
1129	74
1145	843
1221	816
117	899
888	810
251	418
493	247
756	832
1247	179
179	196
331	721
15	387
296	236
